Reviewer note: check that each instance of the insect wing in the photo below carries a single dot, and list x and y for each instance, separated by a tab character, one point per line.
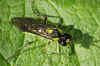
34	26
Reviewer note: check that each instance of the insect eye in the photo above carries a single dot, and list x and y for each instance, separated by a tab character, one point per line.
49	31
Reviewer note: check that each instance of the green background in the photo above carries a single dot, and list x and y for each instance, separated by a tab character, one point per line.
15	49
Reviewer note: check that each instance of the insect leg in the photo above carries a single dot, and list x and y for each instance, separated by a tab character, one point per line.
57	48
46	17
37	12
60	22
45	20
60	19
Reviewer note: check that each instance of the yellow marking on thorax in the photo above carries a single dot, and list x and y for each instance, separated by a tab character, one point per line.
55	39
49	31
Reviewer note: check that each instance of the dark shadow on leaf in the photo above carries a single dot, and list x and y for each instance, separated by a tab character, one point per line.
78	37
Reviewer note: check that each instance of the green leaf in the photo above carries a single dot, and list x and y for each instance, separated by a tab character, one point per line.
81	20
10	38
63	3
3	62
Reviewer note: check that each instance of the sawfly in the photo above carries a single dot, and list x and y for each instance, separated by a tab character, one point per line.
41	28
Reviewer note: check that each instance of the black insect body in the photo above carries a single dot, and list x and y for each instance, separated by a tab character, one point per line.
37	27
64	39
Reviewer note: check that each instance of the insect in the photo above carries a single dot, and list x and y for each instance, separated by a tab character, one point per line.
41	28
